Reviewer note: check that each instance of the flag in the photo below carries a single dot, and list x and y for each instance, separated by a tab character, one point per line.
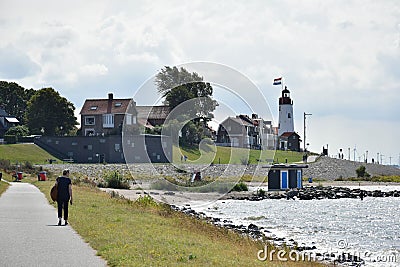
277	81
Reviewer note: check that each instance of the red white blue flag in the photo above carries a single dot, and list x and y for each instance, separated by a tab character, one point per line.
277	81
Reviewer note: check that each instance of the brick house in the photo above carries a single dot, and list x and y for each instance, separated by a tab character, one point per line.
107	116
243	131
102	122
235	132
289	141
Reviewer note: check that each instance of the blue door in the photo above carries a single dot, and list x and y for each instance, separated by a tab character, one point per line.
284	180
299	179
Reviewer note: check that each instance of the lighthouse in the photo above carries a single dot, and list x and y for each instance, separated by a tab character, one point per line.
286	124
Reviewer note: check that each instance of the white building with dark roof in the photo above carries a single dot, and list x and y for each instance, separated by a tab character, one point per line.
6	122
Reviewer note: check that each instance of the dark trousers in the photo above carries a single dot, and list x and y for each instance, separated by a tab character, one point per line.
60	205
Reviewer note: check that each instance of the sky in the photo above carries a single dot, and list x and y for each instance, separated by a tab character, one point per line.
339	59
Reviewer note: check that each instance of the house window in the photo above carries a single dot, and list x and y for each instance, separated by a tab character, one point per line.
89	132
289	115
108	121
128	119
89	147
118	104
116	147
134	119
89	120
93	108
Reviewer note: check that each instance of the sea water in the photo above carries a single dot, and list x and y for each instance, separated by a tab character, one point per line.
368	228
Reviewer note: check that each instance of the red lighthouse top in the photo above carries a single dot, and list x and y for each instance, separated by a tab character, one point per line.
285	98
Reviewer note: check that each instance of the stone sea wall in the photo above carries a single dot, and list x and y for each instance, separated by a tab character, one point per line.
330	169
324	168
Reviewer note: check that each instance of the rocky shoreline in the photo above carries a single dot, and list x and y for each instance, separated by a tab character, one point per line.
312	192
259	233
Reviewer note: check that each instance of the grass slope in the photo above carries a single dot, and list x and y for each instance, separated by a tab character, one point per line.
144	233
3	187
23	153
225	155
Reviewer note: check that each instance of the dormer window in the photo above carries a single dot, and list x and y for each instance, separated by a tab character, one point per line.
93	108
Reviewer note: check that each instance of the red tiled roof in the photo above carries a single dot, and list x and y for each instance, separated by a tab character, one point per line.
105	106
288	134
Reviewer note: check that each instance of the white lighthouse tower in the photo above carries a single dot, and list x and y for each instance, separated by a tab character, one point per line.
286	123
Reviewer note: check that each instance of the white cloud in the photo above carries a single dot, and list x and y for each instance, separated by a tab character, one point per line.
338	58
94	70
15	64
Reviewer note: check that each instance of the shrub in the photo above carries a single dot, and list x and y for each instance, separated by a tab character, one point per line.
240	187
5	164
261	192
115	180
146	201
361	172
28	165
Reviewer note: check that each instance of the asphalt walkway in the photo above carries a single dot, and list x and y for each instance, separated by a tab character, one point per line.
29	235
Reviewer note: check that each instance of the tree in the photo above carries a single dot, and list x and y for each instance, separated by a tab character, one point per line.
14	99
179	86
169	78
19	130
49	113
361	172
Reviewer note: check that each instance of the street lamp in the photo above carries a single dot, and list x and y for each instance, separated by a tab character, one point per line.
305	114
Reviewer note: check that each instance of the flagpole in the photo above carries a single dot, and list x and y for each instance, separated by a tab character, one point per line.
282	83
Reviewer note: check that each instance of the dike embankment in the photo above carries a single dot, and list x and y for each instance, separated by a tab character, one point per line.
330	169
323	168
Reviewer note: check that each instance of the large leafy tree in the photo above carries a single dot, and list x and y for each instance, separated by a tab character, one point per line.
179	86
49	113
14	99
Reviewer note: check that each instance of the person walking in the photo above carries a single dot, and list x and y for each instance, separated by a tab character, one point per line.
64	195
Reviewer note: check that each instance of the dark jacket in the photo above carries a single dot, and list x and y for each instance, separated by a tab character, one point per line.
63	188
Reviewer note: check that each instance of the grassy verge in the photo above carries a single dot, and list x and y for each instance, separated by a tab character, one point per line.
3	187
225	155
24	153
144	233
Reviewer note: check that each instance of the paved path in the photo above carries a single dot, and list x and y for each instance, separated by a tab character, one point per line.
29	235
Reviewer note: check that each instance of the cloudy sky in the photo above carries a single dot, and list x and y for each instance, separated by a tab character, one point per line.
340	59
